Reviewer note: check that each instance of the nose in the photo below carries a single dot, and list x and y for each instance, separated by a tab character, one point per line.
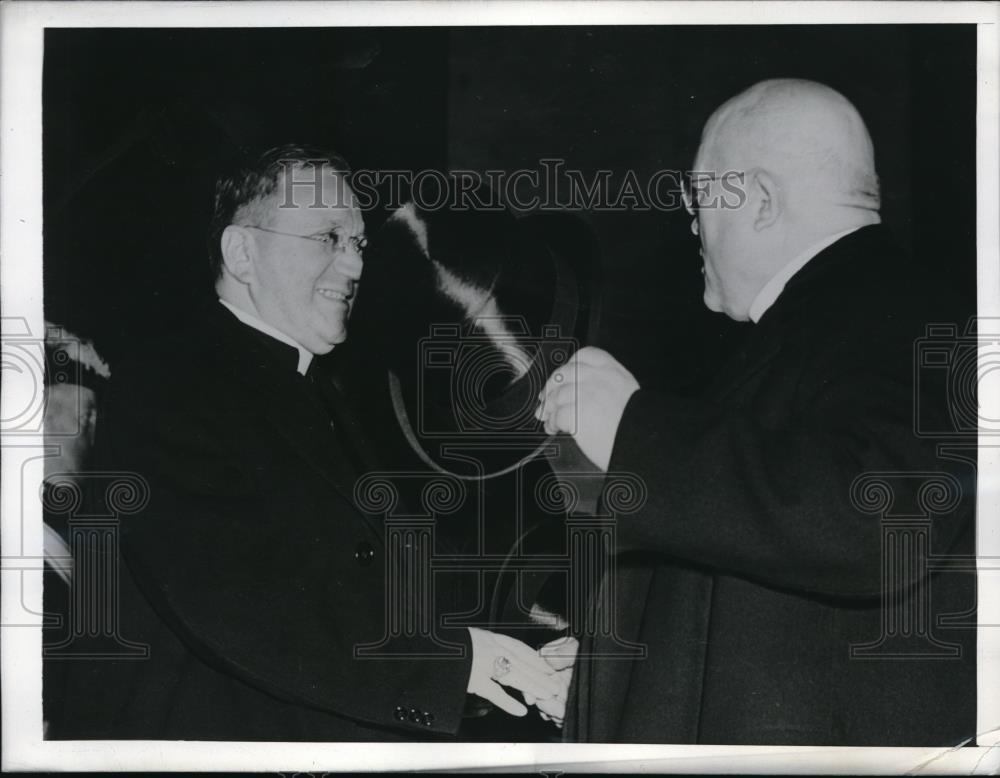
349	263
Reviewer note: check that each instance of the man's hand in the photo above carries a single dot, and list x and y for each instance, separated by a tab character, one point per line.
586	398
560	654
499	659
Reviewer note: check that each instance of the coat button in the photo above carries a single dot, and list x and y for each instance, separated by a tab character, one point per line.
364	554
428	719
399	713
416	716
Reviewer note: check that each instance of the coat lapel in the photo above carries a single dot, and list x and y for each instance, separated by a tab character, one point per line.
287	403
307	427
762	346
774	329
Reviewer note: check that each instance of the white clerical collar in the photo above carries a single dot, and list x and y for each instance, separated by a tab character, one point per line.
772	289
305	356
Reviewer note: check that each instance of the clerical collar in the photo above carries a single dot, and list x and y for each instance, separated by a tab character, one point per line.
772	289
305	356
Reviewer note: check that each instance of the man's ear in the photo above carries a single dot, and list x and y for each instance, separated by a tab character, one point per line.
767	193
238	252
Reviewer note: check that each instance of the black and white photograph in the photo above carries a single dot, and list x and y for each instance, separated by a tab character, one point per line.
431	377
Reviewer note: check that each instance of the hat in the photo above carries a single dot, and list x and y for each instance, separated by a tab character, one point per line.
471	310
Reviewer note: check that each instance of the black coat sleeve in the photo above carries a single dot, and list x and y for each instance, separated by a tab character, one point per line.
760	485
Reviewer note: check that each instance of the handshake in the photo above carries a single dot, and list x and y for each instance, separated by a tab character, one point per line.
542	676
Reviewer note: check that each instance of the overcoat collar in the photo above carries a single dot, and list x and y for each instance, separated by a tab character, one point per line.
777	326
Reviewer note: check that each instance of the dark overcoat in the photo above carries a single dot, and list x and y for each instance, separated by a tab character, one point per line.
765	581
253	573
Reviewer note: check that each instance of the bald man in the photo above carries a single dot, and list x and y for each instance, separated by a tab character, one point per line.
758	586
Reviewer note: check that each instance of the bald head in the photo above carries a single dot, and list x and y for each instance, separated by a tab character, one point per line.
807	169
806	135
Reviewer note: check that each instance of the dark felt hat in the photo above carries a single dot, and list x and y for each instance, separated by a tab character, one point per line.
470	310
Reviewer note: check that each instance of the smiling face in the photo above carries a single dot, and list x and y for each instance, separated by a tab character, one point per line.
300	283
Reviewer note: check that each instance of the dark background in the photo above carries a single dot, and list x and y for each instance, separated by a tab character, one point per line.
136	123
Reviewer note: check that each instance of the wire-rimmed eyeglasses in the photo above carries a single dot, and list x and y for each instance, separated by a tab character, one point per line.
334	240
694	190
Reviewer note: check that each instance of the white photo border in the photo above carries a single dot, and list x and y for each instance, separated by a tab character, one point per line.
22	27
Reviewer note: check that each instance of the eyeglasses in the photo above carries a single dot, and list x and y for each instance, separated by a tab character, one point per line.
334	241
693	190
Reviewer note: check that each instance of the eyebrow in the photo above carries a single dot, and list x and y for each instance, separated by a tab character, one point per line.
340	231
334	228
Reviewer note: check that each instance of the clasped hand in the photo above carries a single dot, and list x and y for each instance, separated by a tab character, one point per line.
541	676
586	398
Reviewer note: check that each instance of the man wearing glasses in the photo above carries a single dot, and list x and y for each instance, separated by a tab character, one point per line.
776	603
252	574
